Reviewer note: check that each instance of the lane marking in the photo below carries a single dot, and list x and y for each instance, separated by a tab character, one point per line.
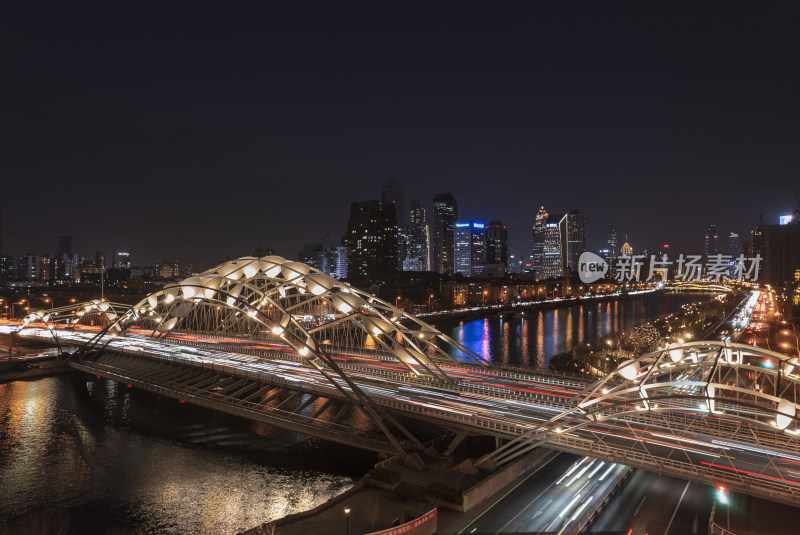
554	457
666	531
640	506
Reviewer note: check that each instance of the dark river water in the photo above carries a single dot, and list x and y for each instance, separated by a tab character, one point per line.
530	338
93	456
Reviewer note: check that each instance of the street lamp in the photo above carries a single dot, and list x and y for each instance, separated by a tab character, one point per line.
347	519
26	301
396	301
484	296
429	302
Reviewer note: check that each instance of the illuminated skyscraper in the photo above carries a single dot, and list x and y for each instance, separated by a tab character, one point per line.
712	240
573	240
612	240
445	213
497	244
469	247
537	258
734	245
371	241
551	249
418	238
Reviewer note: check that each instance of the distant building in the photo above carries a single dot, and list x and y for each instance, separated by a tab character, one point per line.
418	239
7	271
371	241
612	241
314	254
470	248
123	260
168	269
537	258
413	263
572	230
781	258
489	271
734	245
46	271
496	236
340	263
392	193
626	249
64	246
552	266
606	254
28	267
712	240
445	214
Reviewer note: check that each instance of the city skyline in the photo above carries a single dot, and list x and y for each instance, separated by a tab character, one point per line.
639	119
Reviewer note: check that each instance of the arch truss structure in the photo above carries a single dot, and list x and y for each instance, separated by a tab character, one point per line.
702	407
274	300
290	307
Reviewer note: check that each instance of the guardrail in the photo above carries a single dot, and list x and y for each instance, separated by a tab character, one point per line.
713	527
591	513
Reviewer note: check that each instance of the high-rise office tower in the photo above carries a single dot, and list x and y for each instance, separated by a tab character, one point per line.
418	238
781	251
445	213
734	245
573	240
371	241
28	267
612	240
46	271
392	193
551	248
64	246
497	244
469	247
537	258
340	263
712	240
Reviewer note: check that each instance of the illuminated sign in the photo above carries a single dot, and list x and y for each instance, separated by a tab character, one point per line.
477	225
462	225
786	219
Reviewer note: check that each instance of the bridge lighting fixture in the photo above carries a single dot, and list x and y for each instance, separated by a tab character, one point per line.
722	494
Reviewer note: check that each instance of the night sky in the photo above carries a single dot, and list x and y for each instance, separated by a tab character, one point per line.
209	129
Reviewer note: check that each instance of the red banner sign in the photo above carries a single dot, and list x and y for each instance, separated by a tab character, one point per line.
409	527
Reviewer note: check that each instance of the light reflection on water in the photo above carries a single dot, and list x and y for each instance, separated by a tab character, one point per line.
110	456
530	339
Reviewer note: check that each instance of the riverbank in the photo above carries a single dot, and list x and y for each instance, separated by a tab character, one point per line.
696	321
451	317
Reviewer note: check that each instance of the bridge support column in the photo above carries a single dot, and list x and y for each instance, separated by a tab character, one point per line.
456	442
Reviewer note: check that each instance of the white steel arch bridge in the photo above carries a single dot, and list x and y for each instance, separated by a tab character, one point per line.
276	340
